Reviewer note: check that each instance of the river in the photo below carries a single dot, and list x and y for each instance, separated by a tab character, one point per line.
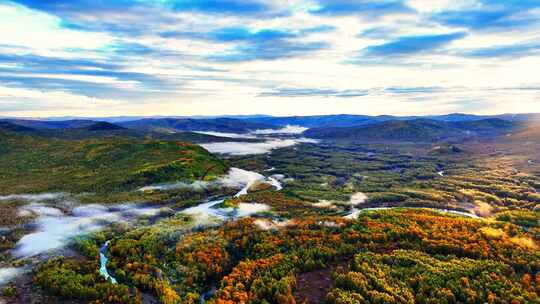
207	213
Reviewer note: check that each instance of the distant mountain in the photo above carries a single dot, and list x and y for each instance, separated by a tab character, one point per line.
419	130
485	125
245	123
11	127
230	125
102	126
346	120
82	129
117	119
319	121
456	117
429	130
43	124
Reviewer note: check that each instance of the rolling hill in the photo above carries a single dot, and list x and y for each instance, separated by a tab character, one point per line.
347	120
102	126
11	127
33	164
421	130
170	125
51	125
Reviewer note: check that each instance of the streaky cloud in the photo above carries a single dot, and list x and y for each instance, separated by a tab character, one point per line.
379	32
504	51
220	7
366	8
310	92
35	71
229	34
268	50
412	90
408	45
494	15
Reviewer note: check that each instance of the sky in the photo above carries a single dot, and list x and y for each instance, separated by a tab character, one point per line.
277	57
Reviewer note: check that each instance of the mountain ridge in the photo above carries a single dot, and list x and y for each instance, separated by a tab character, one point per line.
421	130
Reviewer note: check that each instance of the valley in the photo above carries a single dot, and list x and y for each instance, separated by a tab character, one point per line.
400	211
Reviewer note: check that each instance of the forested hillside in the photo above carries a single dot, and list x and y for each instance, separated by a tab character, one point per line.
33	164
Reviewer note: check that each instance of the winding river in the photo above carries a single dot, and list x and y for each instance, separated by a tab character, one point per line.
205	213
103	263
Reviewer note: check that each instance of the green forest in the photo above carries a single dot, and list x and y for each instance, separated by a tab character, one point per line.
307	247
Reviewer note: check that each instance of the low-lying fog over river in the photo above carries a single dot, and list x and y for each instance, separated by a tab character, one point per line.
59	217
246	148
270	139
54	228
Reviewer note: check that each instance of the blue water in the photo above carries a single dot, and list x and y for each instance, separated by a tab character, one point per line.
103	263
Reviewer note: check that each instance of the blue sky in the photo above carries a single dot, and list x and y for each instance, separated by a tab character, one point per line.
279	57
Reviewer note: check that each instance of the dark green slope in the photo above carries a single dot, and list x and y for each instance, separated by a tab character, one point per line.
32	164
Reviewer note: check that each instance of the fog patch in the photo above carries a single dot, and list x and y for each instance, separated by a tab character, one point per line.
228	135
236	178
8	274
266	224
54	228
329	224
483	209
248	209
324	204
288	129
32	197
197	185
358	199
210	212
271	143
207	213
41	210
239	178
243	148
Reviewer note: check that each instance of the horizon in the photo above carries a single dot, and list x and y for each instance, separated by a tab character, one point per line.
282	58
136	117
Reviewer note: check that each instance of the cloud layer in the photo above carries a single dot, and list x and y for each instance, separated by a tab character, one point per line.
208	57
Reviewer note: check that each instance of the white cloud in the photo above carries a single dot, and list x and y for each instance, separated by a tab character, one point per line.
42	32
234	88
